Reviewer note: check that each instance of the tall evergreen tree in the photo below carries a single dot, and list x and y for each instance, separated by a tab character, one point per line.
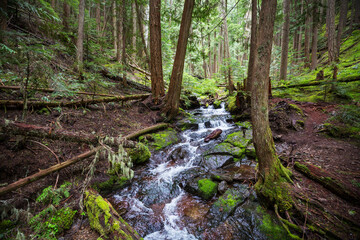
285	41
330	30
341	25
253	47
80	37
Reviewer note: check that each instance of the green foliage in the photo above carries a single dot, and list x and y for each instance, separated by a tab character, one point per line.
50	222
54	196
348	114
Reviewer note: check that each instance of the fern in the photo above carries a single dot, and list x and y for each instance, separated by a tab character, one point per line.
54	196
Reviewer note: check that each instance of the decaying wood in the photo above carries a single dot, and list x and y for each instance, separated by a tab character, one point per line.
50	90
213	135
140	70
327	180
316	83
43	173
130	83
29	130
82	102
146	130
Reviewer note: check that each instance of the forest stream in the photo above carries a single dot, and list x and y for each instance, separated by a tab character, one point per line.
159	207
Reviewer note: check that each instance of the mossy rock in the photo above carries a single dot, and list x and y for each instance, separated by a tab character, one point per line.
297	109
217	104
231	104
105	220
112	184
163	139
238	140
140	154
246	124
269	226
207	188
250	151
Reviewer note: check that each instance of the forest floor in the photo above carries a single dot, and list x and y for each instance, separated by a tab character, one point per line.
21	157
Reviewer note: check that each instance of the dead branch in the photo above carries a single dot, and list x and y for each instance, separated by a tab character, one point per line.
43	173
82	102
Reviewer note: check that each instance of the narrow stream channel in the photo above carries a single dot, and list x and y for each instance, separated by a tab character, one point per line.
158	206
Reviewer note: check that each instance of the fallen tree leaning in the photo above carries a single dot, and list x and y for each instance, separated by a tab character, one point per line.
146	130
45	172
29	130
82	102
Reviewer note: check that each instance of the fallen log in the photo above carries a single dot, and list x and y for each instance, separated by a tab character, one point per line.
14	128
130	83
146	130
328	180
317	83
213	135
140	70
50	90
82	102
43	173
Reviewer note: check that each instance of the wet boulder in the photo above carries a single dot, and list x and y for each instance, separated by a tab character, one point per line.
226	204
202	187
222	187
160	140
226	149
239	139
216	161
179	153
139	154
207	124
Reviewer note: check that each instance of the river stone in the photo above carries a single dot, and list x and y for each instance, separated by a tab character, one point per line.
250	151
216	161
237	139
226	204
179	153
158	191
186	123
207	124
222	187
226	149
202	187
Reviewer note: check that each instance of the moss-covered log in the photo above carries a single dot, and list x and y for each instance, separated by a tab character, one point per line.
146	130
82	102
14	128
328	180
104	219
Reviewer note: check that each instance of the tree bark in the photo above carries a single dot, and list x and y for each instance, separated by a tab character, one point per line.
141	30
80	39
356	8
124	31
307	39
134	31
209	56
84	102
330	30
28	130
120	33
215	55
98	19
285	41
314	45
43	173
173	95
157	81
3	20
66	16
253	47
341	25
271	171
114	25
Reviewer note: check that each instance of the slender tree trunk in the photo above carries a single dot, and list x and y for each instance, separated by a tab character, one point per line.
66	16
120	33
173	95
157	82
141	30
53	4
253	47
203	53
98	19
134	31
314	36
124	30
115	35
209	56
215	57
307	40
285	41
341	26
298	52
356	12
330	29
80	39
3	19
270	185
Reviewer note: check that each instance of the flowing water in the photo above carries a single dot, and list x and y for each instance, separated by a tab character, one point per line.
158	206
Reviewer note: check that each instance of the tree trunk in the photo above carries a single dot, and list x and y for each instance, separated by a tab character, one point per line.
173	95
227	50
142	34
314	60
157	81
270	185
147	130
253	47
53	4
3	20
209	56
341	26
80	39
215	56
115	35
330	29
66	16
307	40
134	31
203	53
98	19
120	33
285	41
356	12
124	31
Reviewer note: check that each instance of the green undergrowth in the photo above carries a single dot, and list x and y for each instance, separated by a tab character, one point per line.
348	66
54	196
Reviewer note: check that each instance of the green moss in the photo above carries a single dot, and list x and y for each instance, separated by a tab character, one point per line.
301	123
230	149
245	124
237	139
315	229
163	139
217	104
5	227
207	188
110	185
229	200
140	154
270	228
297	109
231	104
